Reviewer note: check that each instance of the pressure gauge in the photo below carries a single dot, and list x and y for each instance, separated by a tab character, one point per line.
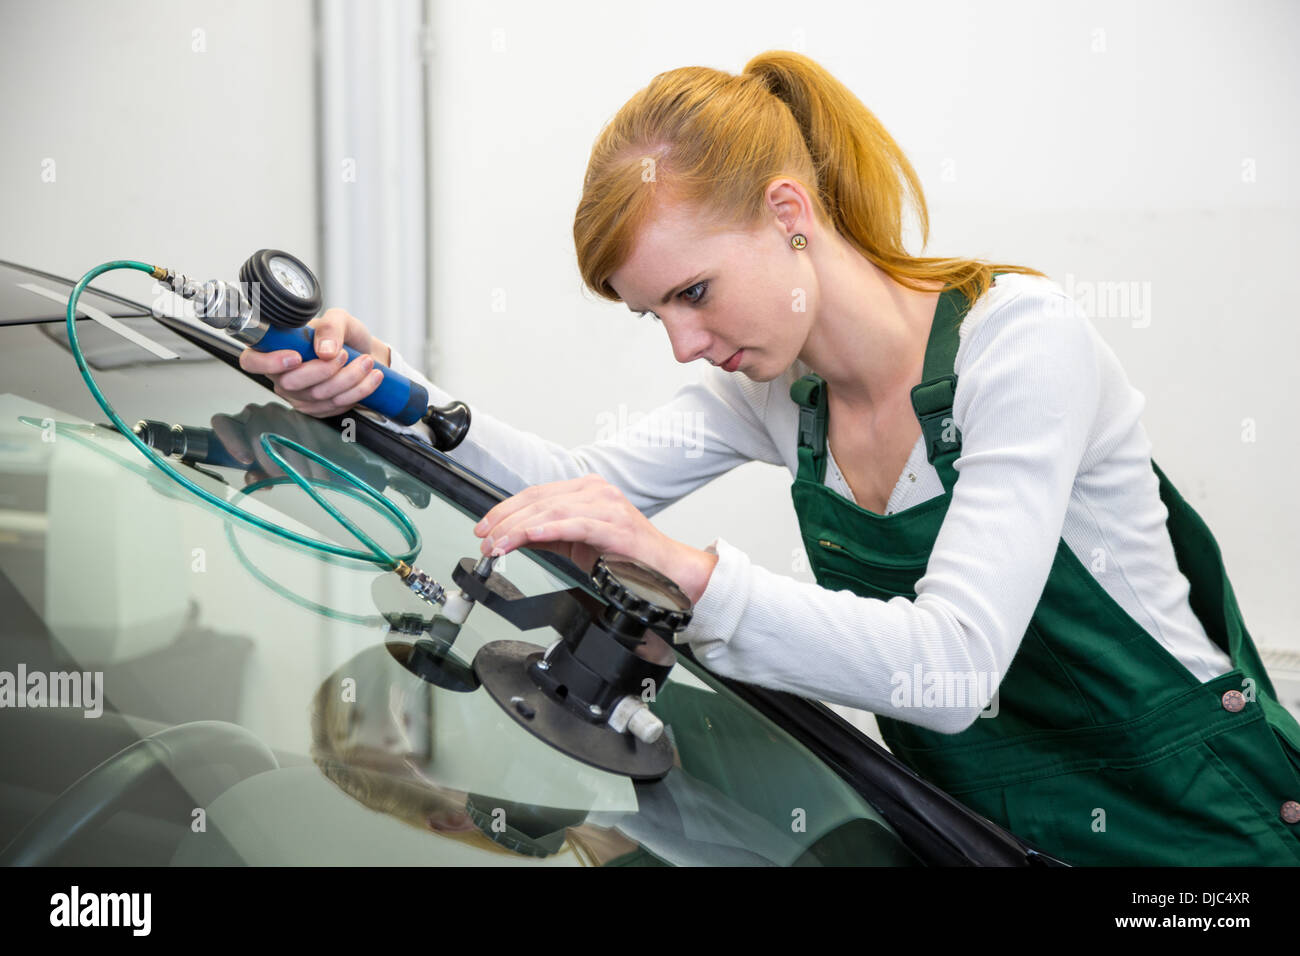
293	277
282	289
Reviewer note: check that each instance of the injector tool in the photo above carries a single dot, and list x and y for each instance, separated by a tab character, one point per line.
279	296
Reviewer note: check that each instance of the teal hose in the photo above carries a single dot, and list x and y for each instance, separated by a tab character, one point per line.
374	553
368	620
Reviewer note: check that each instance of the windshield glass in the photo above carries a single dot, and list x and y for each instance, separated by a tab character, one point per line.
302	734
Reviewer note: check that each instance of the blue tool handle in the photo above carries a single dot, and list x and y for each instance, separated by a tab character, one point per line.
397	397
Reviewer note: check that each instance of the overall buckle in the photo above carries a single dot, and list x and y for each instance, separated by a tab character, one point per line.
932	402
808	392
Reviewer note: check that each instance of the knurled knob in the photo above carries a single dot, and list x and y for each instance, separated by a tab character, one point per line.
642	593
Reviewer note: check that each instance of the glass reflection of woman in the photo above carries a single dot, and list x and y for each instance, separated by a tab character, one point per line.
366	740
372	736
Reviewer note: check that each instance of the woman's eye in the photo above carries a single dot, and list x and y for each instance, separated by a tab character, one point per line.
694	295
698	297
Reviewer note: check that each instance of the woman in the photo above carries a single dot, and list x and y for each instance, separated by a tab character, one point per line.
759	217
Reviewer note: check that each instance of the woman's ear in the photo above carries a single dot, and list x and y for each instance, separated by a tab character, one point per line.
789	203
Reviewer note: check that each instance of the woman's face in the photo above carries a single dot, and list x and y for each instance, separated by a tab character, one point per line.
727	291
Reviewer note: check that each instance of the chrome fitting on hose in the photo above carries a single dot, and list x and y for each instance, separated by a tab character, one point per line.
222	305
455	606
423	586
178	282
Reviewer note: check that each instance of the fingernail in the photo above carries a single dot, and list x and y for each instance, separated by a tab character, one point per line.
376	376
367	361
326	346
290	361
480	527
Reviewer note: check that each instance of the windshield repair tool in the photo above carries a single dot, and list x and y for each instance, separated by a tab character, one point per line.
586	694
279	296
373	553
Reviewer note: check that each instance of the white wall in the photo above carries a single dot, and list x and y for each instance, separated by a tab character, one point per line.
181	133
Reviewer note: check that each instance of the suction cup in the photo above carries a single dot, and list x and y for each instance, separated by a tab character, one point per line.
502	666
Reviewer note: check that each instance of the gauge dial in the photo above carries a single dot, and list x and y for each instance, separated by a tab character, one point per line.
291	276
290	296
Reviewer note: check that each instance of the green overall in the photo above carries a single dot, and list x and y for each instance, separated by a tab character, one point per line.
1103	749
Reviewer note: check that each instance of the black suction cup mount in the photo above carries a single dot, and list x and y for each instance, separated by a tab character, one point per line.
586	694
281	288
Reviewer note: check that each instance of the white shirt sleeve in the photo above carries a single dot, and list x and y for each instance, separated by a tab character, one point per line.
1028	392
707	429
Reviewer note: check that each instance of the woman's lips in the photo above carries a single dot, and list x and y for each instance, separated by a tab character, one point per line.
733	363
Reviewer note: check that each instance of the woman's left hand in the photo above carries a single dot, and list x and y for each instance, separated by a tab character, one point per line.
583	518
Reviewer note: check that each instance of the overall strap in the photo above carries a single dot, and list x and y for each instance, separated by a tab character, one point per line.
932	399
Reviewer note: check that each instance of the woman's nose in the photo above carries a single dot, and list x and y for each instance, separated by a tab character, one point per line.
688	343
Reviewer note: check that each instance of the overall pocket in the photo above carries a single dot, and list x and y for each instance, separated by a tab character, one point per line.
1264	768
1188	808
835	561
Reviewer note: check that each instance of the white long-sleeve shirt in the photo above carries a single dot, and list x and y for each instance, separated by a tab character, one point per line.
1052	448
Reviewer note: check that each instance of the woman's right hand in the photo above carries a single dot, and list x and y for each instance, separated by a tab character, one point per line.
328	384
